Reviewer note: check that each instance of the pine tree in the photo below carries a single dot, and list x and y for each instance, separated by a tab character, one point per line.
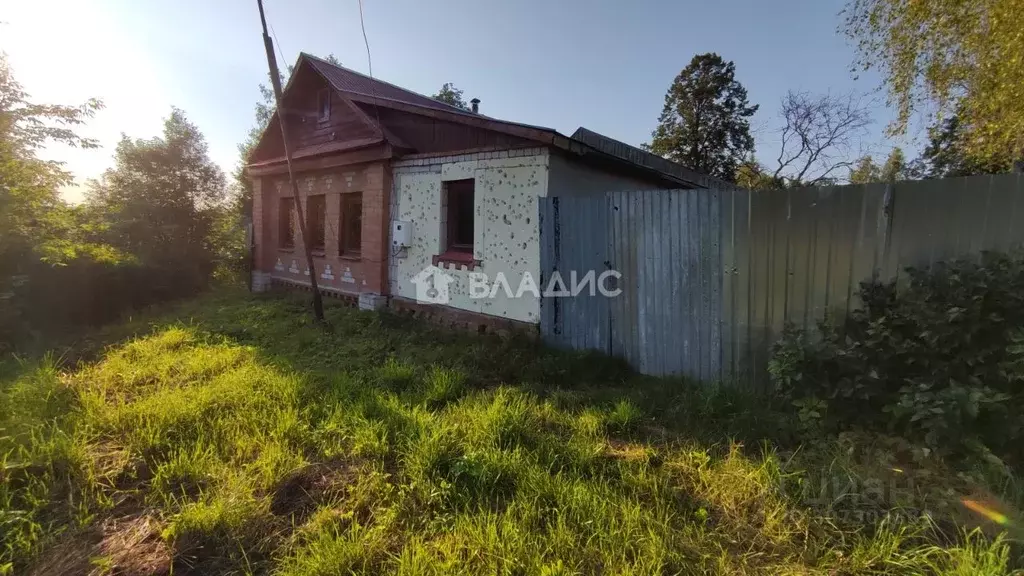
705	122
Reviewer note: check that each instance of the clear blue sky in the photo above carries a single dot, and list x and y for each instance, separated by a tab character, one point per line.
603	64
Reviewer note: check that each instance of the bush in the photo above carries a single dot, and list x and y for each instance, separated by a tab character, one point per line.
939	359
85	292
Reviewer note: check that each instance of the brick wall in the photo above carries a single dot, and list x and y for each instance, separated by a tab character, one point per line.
346	274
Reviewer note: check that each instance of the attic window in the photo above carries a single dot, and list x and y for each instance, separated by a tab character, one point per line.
323	104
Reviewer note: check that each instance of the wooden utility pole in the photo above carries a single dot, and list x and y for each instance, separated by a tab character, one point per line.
275	79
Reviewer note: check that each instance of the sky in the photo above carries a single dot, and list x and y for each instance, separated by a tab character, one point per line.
603	64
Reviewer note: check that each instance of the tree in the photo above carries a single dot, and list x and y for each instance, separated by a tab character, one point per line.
865	171
162	198
944	156
449	94
705	121
894	169
818	136
946	57
34	220
753	176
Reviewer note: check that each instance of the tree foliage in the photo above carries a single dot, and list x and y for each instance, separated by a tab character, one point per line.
944	156
705	121
939	359
152	229
34	220
449	94
867	172
752	175
161	199
945	57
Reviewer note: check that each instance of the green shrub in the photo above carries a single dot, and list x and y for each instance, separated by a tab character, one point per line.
49	299
937	359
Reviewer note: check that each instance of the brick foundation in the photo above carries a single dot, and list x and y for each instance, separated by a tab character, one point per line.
462	319
441	315
347	299
261	281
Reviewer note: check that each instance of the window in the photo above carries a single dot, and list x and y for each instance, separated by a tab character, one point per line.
351	239
323	105
286	223
459	215
316	221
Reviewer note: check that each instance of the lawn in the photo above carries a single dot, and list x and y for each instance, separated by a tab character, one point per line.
231	435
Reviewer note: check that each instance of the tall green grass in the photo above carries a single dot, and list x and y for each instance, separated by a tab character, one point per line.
260	444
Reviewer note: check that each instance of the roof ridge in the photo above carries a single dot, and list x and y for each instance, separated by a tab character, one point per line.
372	79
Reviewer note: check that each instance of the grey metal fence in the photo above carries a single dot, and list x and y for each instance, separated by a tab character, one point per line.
710	277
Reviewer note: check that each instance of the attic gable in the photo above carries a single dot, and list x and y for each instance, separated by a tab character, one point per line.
310	132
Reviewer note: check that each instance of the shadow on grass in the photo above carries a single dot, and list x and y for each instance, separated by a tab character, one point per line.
360	343
330	451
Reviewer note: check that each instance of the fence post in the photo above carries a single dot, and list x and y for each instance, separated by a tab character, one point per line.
888	209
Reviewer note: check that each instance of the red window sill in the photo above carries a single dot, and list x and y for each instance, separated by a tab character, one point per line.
288	249
457	259
351	257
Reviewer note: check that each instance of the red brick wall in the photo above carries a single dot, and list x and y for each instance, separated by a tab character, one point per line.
368	273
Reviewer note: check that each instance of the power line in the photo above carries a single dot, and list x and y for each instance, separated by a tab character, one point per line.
280	50
369	64
277	43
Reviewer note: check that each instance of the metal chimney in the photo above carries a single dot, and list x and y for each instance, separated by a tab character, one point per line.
476	105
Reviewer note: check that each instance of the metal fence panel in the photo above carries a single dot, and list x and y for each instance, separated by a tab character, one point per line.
711	277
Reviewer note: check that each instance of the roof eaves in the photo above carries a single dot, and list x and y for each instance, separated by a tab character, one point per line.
645	159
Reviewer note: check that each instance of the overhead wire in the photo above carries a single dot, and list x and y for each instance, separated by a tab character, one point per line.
369	65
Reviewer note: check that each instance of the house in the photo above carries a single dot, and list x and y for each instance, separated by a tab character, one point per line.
394	182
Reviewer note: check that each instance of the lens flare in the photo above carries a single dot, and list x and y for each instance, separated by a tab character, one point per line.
993	515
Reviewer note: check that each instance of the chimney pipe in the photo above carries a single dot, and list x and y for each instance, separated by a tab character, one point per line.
476	105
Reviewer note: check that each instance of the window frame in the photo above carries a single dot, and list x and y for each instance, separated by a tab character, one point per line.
286	223
316	223
455	215
346	236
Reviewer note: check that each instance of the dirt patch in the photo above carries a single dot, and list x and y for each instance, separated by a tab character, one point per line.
70	555
127	546
302	491
636	452
133	547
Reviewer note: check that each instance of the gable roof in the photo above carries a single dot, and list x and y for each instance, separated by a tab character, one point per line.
357	87
363	87
350	81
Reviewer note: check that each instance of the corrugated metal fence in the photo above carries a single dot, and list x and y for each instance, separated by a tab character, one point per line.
710	277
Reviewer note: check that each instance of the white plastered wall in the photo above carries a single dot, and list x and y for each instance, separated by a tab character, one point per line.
506	228
506	232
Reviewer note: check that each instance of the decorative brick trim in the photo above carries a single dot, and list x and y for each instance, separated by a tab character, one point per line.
417	163
455	261
462	319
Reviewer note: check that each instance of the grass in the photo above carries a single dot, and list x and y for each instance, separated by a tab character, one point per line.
229	435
